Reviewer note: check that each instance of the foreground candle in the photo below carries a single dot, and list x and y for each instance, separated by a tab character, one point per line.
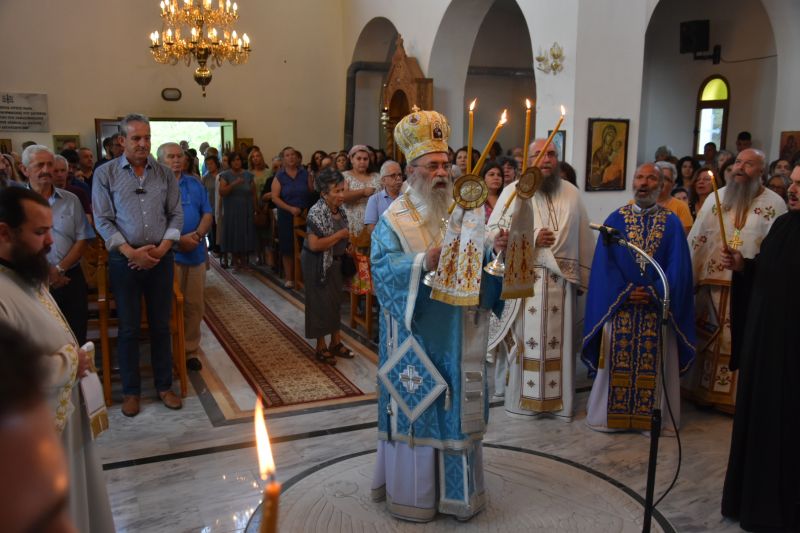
500	123
266	466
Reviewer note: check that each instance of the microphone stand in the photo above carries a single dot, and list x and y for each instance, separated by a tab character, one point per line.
655	418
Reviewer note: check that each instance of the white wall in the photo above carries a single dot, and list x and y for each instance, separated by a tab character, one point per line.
608	84
290	92
672	80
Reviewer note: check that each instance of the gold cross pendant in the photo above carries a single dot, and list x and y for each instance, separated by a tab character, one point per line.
736	241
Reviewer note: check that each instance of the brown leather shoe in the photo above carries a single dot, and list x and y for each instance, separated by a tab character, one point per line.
130	405
170	399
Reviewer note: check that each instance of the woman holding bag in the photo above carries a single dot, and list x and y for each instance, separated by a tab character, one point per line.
327	240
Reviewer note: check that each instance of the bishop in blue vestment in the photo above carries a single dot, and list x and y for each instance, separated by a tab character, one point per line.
432	388
622	328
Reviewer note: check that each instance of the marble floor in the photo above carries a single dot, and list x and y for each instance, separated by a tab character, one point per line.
196	469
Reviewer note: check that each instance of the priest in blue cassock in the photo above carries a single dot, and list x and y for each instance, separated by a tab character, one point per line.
622	328
432	387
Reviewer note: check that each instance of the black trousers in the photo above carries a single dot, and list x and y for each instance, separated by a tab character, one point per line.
72	300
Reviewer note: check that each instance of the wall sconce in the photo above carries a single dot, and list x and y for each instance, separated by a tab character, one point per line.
551	62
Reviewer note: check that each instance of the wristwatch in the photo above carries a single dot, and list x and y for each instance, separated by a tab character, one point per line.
59	269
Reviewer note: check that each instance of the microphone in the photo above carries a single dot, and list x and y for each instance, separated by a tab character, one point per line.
610	235
606	230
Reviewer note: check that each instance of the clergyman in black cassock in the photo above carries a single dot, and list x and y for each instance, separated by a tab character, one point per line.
762	484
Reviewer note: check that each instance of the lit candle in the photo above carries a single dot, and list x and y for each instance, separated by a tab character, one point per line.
485	154
246	41
527	135
169	36
154	38
235	7
239	43
469	135
266	466
187	3
550	139
163	7
227	5
194	35
719	211
234	37
220	5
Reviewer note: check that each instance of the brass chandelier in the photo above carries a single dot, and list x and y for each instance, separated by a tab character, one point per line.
195	30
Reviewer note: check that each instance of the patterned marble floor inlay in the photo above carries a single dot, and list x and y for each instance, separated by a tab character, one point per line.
527	492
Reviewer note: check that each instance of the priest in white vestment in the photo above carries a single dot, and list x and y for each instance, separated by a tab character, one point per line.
748	211
26	304
547	327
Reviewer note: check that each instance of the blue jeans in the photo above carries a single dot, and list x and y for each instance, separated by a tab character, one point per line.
129	286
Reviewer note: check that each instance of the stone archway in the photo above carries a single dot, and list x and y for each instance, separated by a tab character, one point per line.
670	81
365	77
456	65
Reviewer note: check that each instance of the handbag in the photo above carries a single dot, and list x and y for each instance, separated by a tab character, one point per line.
348	266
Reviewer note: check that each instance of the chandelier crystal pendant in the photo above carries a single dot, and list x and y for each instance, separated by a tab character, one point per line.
194	29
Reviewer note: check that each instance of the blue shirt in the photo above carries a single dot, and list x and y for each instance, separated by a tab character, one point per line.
195	204
295	191
134	210
70	225
376	205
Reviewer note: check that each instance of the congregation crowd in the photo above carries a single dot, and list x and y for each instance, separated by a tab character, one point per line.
160	217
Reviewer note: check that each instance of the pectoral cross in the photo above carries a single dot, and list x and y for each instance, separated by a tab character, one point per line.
642	262
736	241
411	380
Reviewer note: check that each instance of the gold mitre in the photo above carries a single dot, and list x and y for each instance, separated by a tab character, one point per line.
422	132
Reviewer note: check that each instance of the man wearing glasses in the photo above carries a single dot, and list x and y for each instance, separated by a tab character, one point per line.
392	179
137	208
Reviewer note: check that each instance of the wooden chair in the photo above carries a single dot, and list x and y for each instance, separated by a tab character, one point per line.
299	225
365	317
107	327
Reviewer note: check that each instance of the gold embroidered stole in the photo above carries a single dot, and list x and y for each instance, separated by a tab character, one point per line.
635	336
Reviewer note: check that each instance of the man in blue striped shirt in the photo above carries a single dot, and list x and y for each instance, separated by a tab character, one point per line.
137	208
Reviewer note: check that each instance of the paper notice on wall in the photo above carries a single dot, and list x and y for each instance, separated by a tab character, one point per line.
23	112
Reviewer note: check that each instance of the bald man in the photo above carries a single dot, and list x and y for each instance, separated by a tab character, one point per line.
541	358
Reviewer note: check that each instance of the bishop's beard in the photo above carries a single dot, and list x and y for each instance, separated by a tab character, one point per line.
32	267
436	199
739	196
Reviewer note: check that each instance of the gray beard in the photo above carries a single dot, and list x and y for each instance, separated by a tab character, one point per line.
649	201
739	196
436	201
550	184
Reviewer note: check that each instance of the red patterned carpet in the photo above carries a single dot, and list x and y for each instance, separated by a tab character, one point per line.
276	361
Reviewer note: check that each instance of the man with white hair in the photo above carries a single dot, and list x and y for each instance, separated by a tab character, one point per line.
432	387
392	180
71	235
545	330
665	198
190	253
622	333
748	211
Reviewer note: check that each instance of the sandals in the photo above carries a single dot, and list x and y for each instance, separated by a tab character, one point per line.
340	350
324	356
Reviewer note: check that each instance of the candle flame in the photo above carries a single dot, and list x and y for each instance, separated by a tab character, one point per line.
527	103
503	118
472	105
563	111
266	465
